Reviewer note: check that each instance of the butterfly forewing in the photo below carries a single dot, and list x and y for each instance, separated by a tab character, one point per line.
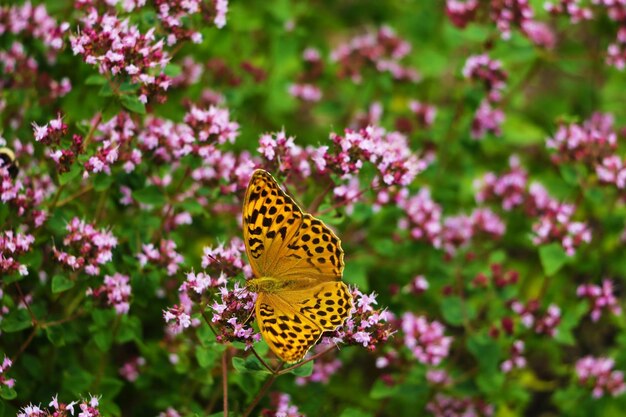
270	220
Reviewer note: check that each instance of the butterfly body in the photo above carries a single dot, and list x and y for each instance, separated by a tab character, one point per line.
298	265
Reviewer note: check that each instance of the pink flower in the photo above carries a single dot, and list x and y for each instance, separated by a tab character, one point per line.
425	340
445	406
117	289
598	374
165	256
13	245
283	408
601	298
516	360
90	247
461	12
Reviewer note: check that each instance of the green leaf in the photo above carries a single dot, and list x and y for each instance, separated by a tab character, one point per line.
16	320
150	195
356	273
95	79
7	393
485	350
129	330
381	390
102	182
103	339
569	174
173	70
250	364
70	175
552	257
207	356
61	283
303	370
133	104
452	310
354	412
77	381
56	335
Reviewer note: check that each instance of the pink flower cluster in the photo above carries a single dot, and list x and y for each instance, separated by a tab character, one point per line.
22	71
117	290
571	8
516	360
510	187
616	52
590	142
282	407
601	298
555	223
461	12
509	13
305	88
367	326
506	15
231	313
50	133
458	231
165	256
120	50
172	14
177	318
12	245
389	152
425	339
553	219
34	21
130	370
88	247
88	408
25	196
381	50
423	113
6	364
227	259
446	406
499	277
423	218
487	119
598	374
531	316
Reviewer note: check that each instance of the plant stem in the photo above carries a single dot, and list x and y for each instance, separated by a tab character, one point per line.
225	381
262	392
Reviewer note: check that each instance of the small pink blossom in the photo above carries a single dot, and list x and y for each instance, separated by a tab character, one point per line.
598	374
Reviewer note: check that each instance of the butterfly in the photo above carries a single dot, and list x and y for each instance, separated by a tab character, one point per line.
7	159
298	264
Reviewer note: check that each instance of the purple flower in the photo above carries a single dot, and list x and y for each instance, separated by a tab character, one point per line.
6	364
12	245
445	406
601	298
283	408
165	256
598	374
88	247
117	289
425	340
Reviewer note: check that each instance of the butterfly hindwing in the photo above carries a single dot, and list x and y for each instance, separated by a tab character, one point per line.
288	333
